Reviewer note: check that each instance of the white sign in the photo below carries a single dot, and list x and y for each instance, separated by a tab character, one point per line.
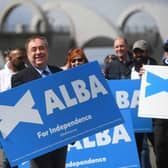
154	92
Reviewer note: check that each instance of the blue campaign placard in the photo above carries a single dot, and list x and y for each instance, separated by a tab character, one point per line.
51	112
111	148
24	165
126	93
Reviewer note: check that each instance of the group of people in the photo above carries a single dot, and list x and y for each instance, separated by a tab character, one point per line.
129	65
31	63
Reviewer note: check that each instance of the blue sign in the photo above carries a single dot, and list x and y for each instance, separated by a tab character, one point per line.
24	165
51	112
126	93
110	148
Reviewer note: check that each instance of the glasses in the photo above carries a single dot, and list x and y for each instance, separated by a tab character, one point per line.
78	60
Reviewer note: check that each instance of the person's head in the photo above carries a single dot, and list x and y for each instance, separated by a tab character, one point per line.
121	47
140	48
37	51
140	53
16	58
109	58
76	57
165	46
6	55
165	55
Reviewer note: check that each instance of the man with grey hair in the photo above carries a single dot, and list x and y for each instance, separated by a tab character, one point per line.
37	55
120	68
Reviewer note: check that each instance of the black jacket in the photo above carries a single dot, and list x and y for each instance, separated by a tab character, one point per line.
119	70
56	158
29	74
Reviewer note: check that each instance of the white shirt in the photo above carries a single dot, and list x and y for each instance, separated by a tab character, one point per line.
5	78
134	74
41	71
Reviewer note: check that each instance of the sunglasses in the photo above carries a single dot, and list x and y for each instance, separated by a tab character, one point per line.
78	60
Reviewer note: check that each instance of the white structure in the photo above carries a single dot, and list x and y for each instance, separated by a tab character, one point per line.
157	10
86	24
35	8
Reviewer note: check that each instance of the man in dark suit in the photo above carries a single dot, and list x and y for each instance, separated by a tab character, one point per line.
37	54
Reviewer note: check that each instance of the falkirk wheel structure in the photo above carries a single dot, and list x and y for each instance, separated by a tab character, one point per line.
156	10
87	27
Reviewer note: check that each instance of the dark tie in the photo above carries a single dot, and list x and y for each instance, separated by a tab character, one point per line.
45	73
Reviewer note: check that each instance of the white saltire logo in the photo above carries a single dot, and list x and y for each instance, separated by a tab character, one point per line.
11	116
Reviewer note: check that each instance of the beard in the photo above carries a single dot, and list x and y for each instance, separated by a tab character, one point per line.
138	62
19	66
